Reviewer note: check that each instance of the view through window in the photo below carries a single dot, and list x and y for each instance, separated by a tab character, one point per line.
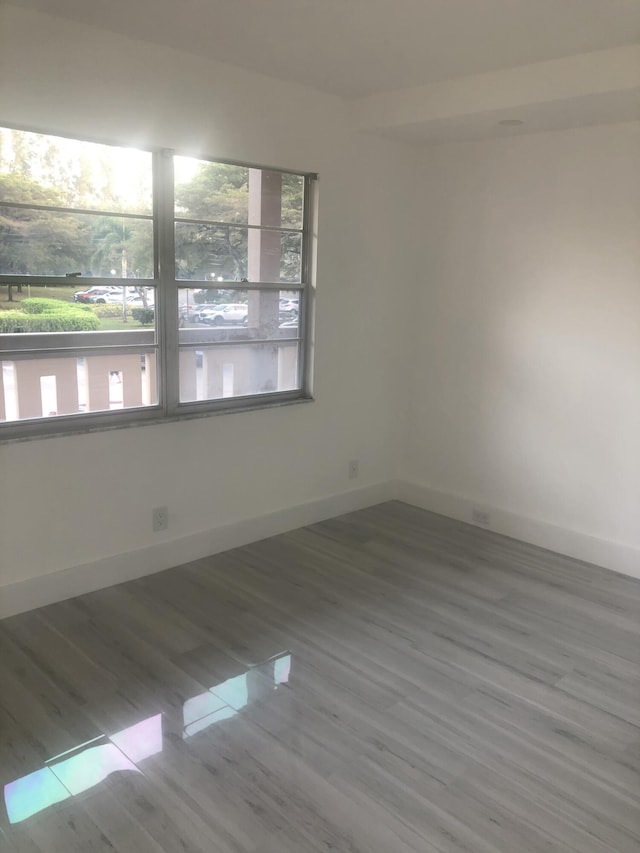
115	305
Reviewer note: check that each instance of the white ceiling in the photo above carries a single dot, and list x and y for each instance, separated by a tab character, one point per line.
355	48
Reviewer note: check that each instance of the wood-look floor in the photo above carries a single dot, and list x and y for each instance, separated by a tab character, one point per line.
436	688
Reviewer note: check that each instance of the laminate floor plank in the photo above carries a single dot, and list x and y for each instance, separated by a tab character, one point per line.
50	720
605	691
490	744
389	681
567	821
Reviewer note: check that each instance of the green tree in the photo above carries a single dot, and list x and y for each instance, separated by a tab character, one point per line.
37	242
220	192
217	192
124	245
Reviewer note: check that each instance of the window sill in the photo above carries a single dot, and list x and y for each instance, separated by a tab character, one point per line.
81	429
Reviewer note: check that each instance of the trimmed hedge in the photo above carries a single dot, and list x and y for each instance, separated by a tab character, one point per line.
48	315
106	310
144	316
46	306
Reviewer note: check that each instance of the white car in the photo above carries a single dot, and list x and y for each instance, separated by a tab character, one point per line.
289	306
136	301
219	315
133	298
97	295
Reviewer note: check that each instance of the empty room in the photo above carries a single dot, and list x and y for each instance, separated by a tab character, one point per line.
320	426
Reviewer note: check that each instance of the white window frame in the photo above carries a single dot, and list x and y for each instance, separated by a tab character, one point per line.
166	345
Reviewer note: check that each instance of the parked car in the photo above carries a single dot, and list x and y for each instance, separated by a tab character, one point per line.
137	301
289	306
133	298
99	295
193	313
114	297
148	300
219	315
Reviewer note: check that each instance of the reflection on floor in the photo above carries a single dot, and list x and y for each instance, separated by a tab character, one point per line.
84	767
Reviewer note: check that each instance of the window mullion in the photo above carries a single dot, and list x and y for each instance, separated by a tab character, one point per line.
167	296
307	307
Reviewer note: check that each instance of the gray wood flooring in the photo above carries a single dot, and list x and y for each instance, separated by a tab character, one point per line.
386	682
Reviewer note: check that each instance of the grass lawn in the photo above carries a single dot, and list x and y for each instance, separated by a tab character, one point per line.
115	324
64	292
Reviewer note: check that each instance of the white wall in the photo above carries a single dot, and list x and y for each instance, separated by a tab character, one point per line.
526	390
74	501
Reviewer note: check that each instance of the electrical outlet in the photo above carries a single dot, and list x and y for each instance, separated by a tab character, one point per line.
481	516
354	469
160	518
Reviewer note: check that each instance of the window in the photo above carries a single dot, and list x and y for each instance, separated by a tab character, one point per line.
138	285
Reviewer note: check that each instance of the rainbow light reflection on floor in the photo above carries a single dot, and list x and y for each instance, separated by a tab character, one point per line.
89	764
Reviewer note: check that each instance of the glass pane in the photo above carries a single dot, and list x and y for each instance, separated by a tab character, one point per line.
237	370
211	252
27	309
43	242
39	169
226	253
291	257
219	192
214	191
216	315
48	385
275	199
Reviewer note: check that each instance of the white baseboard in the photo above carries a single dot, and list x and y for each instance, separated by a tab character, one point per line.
617	556
47	589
